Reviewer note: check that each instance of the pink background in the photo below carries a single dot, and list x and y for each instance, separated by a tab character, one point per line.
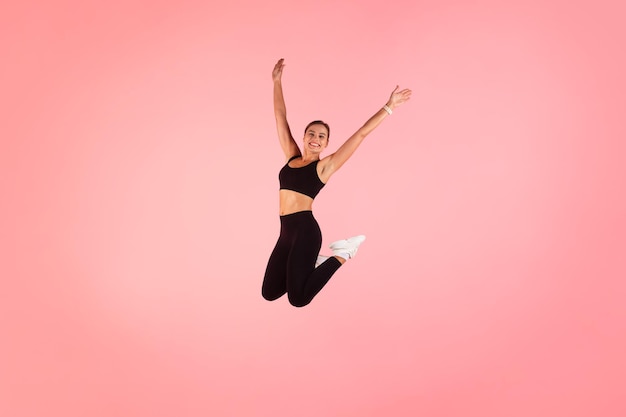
139	165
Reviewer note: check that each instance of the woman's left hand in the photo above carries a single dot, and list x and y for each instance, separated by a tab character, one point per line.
398	97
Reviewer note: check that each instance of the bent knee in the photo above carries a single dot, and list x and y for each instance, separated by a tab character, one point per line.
298	301
271	295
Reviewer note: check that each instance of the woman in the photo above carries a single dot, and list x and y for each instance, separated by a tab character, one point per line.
292	265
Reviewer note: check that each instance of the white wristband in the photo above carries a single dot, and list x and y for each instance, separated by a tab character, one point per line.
387	109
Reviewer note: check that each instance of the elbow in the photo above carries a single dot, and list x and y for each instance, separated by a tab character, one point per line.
363	132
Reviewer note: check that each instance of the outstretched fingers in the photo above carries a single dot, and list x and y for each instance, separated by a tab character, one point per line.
399	97
278	69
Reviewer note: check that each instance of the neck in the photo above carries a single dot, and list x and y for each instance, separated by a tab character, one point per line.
309	156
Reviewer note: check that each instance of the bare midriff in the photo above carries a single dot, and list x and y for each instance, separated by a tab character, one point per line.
293	202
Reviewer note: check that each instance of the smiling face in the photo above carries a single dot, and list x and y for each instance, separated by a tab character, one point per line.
316	137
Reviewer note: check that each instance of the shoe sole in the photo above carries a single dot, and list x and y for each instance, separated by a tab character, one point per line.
348	243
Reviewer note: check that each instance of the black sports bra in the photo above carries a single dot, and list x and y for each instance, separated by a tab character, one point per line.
303	180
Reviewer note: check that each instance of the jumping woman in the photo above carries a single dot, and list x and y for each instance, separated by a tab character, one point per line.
294	266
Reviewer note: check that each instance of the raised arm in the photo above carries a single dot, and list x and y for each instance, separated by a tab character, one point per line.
345	151
287	143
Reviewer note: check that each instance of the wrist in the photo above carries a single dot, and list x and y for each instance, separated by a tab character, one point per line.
388	109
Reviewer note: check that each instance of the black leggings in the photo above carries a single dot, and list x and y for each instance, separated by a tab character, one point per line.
291	268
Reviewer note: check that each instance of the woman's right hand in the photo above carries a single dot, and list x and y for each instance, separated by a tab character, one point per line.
278	70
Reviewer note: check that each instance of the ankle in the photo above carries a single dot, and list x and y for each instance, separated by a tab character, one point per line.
341	259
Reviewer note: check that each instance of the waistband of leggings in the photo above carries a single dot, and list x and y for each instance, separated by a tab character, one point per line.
303	213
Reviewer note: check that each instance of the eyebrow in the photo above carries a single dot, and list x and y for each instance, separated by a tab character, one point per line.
313	131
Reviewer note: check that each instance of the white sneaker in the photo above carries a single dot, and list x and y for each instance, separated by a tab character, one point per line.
347	247
320	260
